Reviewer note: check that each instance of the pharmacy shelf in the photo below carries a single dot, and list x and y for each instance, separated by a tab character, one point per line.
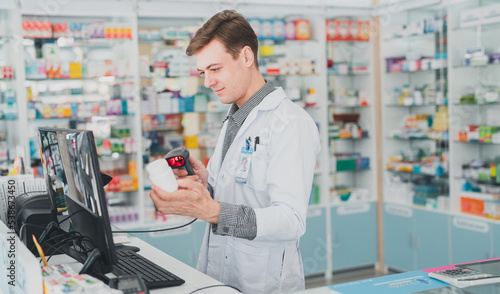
413	105
289	75
445	177
351	139
350	171
415	139
475	142
493	65
168	77
477	104
411	37
336	105
350	75
160	129
478	181
103	79
207	112
416	71
481	27
63	42
349	42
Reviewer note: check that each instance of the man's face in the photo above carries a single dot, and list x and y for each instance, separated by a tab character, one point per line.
228	77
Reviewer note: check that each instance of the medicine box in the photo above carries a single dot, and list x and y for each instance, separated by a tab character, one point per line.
490	14
302	29
471	17
492	209
346	164
363	163
472	205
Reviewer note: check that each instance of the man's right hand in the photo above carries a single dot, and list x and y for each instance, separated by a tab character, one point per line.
199	169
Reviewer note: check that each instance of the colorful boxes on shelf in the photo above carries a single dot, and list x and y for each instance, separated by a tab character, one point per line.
80	30
349	162
341	194
279	29
482	134
482	204
347	30
482	171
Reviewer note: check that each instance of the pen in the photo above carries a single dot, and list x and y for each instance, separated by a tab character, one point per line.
256	142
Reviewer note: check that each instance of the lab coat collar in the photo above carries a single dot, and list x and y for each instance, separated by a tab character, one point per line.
270	102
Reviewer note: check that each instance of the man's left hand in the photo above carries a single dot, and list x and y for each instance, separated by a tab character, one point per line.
192	199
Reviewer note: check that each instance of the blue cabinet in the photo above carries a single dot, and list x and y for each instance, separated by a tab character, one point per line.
354	235
495	240
470	239
398	237
415	238
199	228
431	239
177	243
313	243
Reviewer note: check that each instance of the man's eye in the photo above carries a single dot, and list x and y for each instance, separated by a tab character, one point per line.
202	73
215	69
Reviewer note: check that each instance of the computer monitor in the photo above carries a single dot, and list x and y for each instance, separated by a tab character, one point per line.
71	168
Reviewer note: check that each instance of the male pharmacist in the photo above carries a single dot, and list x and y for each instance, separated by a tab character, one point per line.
255	191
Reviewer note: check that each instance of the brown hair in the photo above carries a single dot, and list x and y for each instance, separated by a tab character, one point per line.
229	27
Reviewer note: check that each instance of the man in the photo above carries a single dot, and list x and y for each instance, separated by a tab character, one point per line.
257	212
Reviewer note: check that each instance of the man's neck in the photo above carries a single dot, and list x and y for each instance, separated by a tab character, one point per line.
255	85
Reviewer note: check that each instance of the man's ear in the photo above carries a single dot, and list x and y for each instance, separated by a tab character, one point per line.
247	55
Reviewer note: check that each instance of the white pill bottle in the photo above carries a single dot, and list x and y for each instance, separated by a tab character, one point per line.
161	175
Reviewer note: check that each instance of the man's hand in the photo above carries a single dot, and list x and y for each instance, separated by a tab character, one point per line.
192	199
199	169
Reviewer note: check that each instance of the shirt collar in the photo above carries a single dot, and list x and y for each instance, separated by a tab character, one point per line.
238	115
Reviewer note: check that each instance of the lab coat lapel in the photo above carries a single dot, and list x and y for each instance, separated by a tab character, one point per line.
271	101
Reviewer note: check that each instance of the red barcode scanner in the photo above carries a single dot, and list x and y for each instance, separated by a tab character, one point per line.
179	158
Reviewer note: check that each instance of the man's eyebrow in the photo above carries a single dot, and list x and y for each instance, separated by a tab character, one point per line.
209	66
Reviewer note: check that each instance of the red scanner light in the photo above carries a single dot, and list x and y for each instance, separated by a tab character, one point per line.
176	161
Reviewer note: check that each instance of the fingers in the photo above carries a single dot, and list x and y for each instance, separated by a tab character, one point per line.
189	184
194	178
156	200
195	163
161	194
180	172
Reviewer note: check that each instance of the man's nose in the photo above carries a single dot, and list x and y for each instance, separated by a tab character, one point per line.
209	81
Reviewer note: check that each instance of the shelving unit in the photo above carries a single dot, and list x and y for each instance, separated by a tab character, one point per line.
197	119
415	193
74	77
9	85
352	184
350	95
415	107
469	81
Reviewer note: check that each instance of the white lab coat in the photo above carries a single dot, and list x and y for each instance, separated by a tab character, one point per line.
278	188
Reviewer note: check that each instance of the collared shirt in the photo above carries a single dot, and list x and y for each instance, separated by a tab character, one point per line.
238	220
237	116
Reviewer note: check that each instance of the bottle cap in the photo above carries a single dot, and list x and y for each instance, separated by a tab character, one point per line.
158	167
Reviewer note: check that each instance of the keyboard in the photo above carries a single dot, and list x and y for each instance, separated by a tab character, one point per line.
129	262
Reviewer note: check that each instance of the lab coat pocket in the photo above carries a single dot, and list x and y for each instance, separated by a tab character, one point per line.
257	178
247	267
292	275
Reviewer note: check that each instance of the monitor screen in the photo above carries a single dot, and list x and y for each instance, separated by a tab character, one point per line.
73	177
